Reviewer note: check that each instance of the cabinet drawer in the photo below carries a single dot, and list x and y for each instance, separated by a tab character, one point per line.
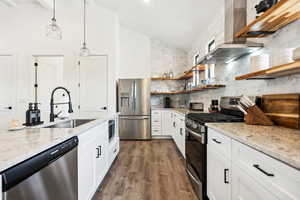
219	142
155	127
156	132
156	114
276	176
156	120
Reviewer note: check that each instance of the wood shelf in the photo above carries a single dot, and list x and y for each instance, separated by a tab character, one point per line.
274	72
207	87
169	93
164	79
280	15
187	75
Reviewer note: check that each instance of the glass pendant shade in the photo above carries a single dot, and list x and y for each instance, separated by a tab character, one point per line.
54	31
84	51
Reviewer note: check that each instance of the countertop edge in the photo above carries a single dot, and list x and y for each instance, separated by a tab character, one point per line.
77	131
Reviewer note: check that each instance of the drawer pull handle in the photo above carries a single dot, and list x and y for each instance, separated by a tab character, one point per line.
99	151
225	176
263	171
216	141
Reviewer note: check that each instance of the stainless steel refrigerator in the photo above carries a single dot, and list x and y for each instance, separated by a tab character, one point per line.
134	108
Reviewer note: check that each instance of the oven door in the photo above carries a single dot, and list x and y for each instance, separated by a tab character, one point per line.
196	160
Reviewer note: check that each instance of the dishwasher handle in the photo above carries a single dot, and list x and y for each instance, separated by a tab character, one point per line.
16	174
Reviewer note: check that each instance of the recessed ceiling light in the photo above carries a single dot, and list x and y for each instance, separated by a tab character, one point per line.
147	1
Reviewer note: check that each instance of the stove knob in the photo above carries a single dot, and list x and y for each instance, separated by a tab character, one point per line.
195	125
188	122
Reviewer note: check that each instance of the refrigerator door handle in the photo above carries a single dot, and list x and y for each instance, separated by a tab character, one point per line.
134	96
135	118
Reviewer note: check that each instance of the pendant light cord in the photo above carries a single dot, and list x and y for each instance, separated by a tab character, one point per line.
84	23
54	7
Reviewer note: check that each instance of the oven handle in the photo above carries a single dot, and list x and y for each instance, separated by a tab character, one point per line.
191	175
197	135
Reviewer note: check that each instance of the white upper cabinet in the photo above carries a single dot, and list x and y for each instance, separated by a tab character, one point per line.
93	85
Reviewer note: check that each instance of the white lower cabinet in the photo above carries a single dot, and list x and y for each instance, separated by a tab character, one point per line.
246	187
162	123
92	160
0	187
238	172
218	175
101	155
179	132
169	123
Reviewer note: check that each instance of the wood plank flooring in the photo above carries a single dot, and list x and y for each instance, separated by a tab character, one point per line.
150	170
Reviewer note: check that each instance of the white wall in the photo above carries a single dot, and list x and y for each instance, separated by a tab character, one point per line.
134	54
23	35
166	58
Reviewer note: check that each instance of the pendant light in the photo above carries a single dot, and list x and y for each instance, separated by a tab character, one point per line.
84	51
53	30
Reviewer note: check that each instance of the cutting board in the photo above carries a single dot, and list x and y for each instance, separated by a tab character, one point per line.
282	109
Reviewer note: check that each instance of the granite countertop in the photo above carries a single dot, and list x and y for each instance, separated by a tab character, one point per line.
278	142
17	146
183	111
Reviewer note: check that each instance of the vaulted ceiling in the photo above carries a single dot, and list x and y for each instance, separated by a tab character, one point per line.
176	22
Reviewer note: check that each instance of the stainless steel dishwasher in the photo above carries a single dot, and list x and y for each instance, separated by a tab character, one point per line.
50	175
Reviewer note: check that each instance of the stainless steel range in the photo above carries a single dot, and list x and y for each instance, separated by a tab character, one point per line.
196	140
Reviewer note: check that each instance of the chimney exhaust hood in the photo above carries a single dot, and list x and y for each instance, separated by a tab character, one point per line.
233	48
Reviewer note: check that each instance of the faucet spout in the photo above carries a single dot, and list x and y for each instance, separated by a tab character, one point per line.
52	115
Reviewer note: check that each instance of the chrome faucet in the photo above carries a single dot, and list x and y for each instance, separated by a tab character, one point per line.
52	115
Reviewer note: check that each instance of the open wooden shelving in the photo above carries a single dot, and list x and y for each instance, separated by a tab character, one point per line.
164	79
274	72
280	15
187	75
203	88
169	93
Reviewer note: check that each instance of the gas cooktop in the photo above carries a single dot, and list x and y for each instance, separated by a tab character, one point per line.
213	117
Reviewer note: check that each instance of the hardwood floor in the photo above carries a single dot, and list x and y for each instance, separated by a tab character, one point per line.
151	170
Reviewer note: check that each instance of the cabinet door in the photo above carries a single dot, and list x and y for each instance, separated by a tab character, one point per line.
218	176
8	90
100	155
246	187
182	136
86	168
176	130
93	85
165	122
0	187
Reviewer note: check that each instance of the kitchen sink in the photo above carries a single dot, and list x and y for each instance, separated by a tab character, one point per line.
70	123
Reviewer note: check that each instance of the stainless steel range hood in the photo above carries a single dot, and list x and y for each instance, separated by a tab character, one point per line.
233	48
